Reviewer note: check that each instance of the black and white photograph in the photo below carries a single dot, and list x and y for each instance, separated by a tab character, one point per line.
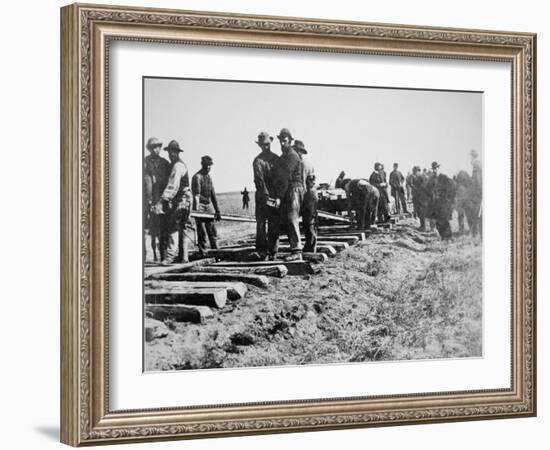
305	224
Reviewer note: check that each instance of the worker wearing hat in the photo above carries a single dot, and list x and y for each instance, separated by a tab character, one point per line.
442	191
310	200
267	212
289	187
378	180
156	171
397	191
420	197
175	202
477	190
205	201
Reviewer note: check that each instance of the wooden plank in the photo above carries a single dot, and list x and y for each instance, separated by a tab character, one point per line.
317	258
179	267
274	269
179	313
215	297
360	235
331	216
260	281
235	290
227	217
338	246
293	267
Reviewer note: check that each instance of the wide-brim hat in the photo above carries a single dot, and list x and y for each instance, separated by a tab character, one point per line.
173	146
299	147
152	143
284	132
264	138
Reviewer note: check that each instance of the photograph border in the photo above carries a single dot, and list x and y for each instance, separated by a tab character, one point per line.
86	32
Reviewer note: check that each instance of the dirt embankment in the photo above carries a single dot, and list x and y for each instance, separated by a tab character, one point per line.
398	296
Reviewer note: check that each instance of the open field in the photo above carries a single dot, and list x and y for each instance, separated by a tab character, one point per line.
396	296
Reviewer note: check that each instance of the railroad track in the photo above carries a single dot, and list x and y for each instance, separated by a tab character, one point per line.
192	292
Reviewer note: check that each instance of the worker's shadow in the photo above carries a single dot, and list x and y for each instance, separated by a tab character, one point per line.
51	432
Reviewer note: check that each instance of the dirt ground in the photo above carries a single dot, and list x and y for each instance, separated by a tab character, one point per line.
396	296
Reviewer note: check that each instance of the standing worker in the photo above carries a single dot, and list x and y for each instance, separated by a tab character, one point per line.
246	198
175	202
267	212
310	200
420	197
156	171
397	190
378	180
442	192
204	201
289	188
362	197
477	191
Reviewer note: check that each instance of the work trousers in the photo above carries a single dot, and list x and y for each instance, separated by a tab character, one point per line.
159	235
206	228
177	239
267	228
400	201
309	220
383	212
290	216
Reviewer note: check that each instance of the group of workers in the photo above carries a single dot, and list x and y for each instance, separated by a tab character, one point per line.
286	191
169	199
434	196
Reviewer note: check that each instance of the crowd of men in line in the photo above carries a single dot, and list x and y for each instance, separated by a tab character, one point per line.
434	196
286	191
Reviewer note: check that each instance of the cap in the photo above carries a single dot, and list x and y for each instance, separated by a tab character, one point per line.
377	165
173	146
152	143
207	160
264	138
284	132
299	147
435	165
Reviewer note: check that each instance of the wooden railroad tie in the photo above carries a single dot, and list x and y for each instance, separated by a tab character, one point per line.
260	281
215	297
273	269
235	290
293	267
178	313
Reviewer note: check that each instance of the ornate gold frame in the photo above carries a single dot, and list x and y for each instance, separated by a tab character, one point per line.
86	31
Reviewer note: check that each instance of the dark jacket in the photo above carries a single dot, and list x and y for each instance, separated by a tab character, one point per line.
264	175
288	173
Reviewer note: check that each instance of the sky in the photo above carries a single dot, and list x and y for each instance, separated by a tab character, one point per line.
343	128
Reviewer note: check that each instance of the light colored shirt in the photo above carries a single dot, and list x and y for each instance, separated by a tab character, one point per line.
178	181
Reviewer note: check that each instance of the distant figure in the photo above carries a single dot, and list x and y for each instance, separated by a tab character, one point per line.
362	197
408	186
340	182
442	194
420	197
205	201
378	180
397	190
310	200
267	212
246	198
477	189
466	203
